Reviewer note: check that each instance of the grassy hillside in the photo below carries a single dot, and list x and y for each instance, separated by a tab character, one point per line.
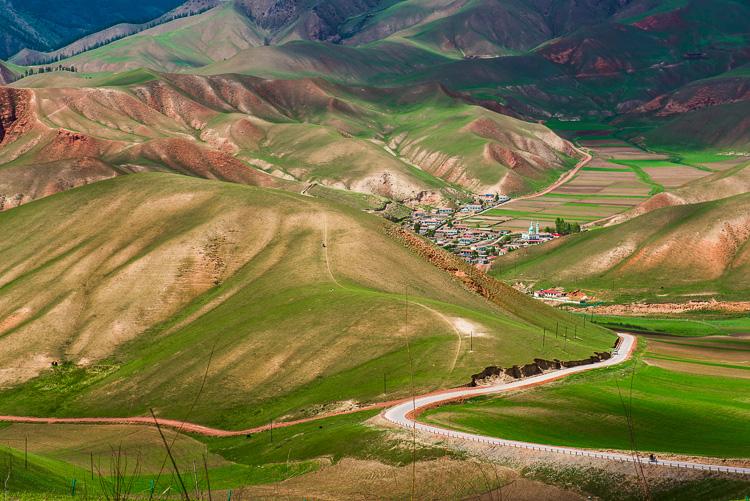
137	284
8	73
667	254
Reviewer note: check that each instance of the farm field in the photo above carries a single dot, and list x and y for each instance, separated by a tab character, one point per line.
685	325
698	382
619	177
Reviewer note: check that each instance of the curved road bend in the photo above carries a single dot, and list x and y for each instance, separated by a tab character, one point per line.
403	414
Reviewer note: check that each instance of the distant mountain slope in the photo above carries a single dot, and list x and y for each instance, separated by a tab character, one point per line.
479	28
33	57
48	24
296	306
469	28
403	143
699	248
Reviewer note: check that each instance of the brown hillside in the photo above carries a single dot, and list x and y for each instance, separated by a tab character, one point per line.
274	132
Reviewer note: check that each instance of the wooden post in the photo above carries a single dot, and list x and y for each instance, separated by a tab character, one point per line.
92	465
385	388
26	452
544	337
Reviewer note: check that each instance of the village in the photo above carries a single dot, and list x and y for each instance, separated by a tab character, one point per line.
478	244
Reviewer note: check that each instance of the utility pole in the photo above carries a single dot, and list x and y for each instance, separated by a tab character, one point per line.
544	337
272	431
471	341
384	384
26	452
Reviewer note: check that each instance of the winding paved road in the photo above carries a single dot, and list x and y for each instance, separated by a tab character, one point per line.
403	414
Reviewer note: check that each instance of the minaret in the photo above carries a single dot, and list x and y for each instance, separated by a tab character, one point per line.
537	228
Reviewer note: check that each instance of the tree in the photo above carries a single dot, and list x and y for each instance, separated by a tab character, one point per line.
417	227
564	228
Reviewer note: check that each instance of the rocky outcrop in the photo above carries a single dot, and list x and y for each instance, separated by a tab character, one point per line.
15	112
494	374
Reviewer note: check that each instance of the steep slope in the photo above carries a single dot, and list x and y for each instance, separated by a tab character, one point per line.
7	75
293	304
670	253
729	130
54	140
454	26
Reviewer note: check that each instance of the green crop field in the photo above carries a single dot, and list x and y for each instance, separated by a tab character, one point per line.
703	325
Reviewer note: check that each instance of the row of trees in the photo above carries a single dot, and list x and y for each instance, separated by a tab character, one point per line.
563	227
49	69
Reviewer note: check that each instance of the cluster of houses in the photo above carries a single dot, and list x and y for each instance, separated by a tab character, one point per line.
559	294
444	226
476	244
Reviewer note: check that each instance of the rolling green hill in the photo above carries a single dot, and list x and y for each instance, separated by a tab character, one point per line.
143	285
668	254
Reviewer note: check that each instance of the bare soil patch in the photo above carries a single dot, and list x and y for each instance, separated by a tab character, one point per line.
671	177
354	479
636	309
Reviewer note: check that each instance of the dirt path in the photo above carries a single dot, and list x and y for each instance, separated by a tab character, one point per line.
403	413
431	310
587	157
452	326
325	251
567	176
